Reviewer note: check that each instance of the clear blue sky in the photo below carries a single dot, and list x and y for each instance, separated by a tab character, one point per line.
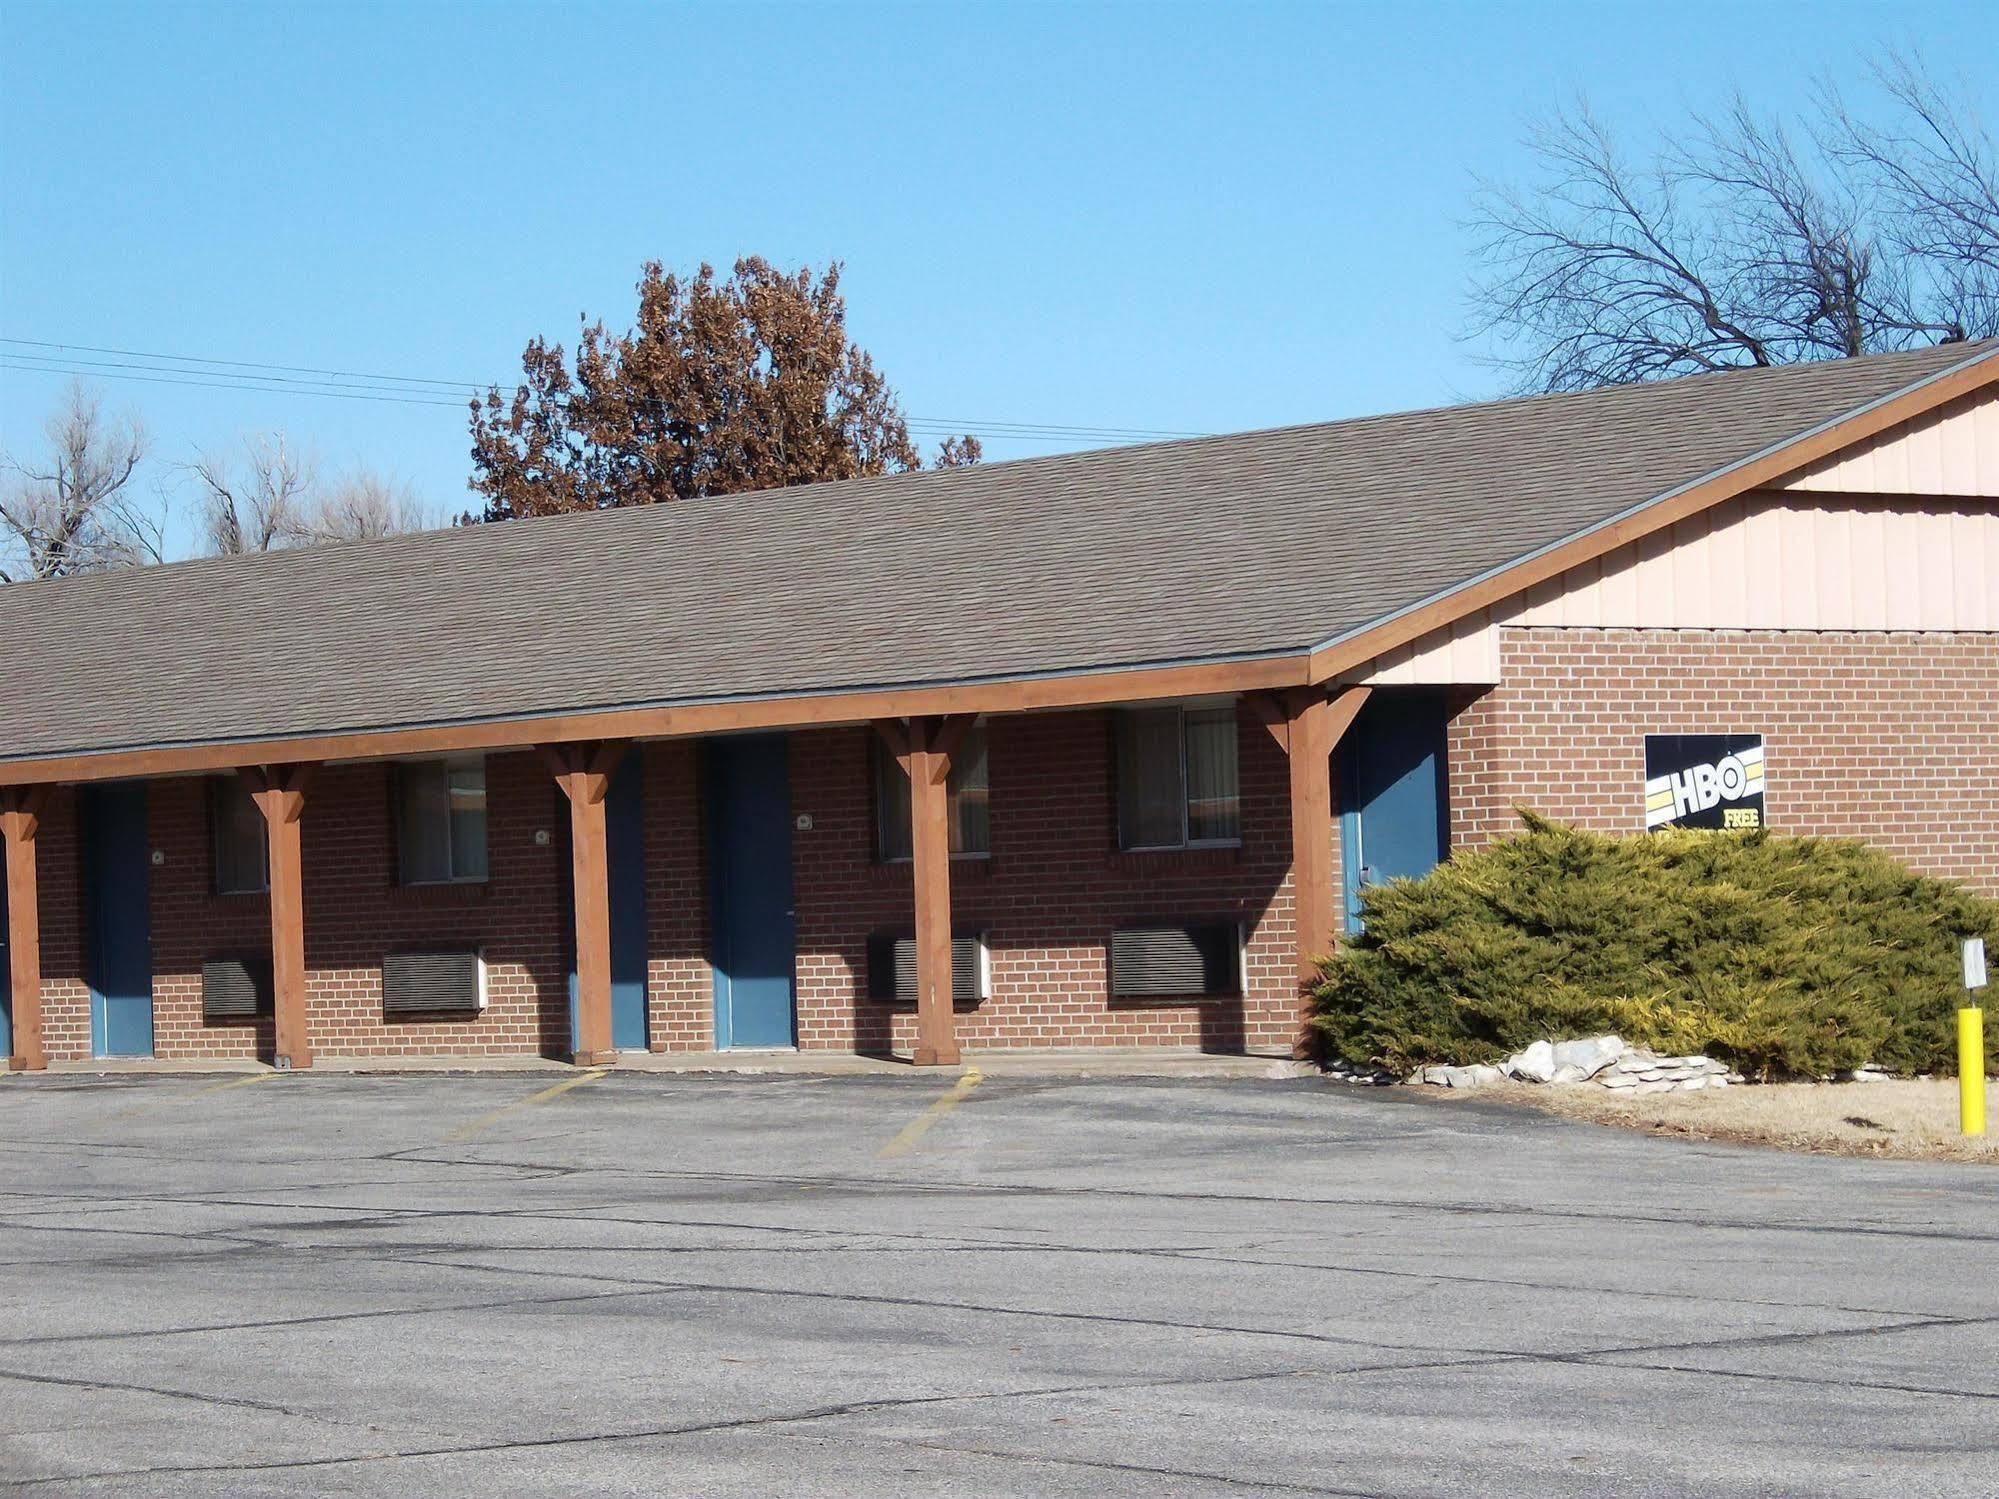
1188	218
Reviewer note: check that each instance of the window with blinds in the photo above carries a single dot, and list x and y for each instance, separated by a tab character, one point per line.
441	821
1177	777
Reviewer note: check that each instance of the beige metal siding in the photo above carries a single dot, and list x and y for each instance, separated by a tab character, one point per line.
1771	561
1952	451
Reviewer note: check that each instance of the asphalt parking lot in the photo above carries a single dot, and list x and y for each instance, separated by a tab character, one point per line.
429	1285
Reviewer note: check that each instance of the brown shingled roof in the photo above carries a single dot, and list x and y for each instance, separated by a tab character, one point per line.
1258	544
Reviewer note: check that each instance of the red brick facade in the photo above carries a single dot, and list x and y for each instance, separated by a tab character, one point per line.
1046	899
1890	737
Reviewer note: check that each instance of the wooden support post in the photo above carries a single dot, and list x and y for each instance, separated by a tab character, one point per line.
923	747
279	792
20	818
1309	726
584	771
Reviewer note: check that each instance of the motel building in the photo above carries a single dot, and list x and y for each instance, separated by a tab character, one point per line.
1083	751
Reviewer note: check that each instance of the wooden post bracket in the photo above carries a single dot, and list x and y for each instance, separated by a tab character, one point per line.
583	772
923	747
1308	726
279	793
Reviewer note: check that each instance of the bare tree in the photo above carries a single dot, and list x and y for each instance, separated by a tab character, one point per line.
270	495
363	505
1936	172
255	501
1740	242
75	510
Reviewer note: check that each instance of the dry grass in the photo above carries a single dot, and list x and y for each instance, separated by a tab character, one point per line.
1906	1119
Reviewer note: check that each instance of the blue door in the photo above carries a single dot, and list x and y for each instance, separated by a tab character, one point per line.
749	889
625	853
117	867
1393	818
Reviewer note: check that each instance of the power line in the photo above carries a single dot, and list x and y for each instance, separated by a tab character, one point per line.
21	354
218	379
351	395
241	364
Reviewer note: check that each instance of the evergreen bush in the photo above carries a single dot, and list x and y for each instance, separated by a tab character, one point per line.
1787	957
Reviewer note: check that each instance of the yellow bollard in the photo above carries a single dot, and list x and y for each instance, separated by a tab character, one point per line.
1971	1071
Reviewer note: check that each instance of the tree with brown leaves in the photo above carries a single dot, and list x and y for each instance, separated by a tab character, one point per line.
720	387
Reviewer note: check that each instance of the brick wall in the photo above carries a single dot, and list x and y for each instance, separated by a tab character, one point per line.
1889	737
1047	898
355	911
59	891
680	991
192	924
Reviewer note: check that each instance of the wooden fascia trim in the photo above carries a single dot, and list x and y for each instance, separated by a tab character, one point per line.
1333	657
1079	690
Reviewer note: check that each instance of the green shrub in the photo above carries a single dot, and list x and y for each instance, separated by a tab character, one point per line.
1783	956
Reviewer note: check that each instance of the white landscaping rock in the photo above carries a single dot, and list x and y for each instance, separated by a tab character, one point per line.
1536	1064
1441	1076
1606	1061
1589	1056
1639	1071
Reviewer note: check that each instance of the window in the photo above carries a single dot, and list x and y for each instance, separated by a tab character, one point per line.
441	820
1177	777
242	848
965	797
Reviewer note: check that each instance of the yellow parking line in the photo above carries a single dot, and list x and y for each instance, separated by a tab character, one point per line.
915	1130
466	1132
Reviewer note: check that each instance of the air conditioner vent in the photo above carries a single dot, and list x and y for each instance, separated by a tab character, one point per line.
235	988
892	969
1202	959
434	982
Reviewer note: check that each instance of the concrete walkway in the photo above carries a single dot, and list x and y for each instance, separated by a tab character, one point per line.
1046	1062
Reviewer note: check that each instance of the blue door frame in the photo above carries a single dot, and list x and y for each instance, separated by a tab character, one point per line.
1394	797
117	875
625	856
749	890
